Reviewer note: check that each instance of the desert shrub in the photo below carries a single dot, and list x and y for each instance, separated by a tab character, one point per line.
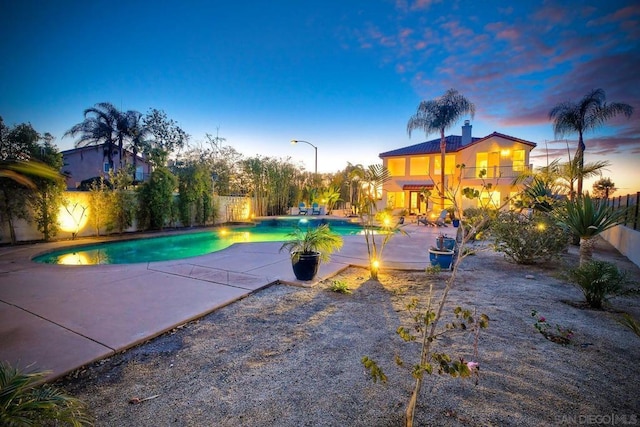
528	239
340	286
24	402
476	221
599	281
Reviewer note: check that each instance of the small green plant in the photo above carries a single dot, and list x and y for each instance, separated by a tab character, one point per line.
558	334
340	286
599	281
433	269
25	403
630	323
441	363
528	239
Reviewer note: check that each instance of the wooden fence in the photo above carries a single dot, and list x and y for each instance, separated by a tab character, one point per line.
632	203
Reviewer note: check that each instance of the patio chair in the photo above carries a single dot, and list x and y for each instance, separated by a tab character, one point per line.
422	219
315	209
440	220
302	209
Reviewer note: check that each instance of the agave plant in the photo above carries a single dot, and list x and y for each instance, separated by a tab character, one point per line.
23	402
587	218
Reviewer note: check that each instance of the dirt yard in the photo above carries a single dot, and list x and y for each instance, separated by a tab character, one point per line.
290	356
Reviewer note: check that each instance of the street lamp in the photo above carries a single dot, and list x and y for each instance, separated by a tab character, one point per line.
295	141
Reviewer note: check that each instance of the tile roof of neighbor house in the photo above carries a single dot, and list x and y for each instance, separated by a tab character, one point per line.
454	143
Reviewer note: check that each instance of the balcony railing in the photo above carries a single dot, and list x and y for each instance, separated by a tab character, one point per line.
492	172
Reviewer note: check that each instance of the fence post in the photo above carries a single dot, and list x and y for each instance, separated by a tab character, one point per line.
635	217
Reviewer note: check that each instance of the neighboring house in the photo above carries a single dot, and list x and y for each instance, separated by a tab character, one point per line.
85	163
495	159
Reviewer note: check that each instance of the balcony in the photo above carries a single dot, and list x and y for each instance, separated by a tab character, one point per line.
493	172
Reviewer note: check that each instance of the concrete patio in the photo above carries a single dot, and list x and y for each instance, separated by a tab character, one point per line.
59	318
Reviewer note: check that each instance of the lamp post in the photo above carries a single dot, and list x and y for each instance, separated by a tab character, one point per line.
295	141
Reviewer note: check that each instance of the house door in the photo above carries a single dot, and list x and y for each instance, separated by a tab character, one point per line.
416	203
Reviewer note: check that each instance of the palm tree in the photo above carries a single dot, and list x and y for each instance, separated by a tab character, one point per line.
438	115
587	218
603	188
138	133
587	114
99	125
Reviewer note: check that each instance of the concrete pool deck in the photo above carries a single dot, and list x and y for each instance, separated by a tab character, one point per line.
59	317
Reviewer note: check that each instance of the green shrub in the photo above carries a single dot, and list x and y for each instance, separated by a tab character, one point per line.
25	403
599	281
340	286
528	239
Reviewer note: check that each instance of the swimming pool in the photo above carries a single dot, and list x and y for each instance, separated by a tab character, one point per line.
186	245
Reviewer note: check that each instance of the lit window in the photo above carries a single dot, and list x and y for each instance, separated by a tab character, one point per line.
482	162
395	199
419	166
518	160
449	162
396	166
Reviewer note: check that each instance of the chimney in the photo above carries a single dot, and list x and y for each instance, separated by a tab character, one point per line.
466	133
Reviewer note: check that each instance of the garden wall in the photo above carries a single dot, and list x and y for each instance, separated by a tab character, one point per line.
625	240
77	217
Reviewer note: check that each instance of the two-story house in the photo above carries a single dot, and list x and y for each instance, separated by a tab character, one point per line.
90	162
495	159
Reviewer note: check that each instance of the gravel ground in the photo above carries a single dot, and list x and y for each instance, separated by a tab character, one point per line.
290	356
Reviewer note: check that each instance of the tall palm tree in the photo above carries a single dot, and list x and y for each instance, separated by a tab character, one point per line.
587	114
138	133
99	126
438	115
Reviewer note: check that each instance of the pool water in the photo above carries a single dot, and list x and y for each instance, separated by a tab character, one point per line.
187	245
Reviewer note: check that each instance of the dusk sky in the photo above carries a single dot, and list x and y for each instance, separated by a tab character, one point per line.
343	75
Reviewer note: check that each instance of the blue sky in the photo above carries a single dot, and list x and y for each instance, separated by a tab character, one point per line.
343	75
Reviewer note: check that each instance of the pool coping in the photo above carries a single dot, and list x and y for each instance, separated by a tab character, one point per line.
59	318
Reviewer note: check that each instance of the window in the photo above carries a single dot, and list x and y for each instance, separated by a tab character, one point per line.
105	167
139	173
490	199
449	163
419	166
482	162
396	166
518	160
395	199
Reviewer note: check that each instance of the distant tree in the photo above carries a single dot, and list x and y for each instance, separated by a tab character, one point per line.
99	126
122	201
139	134
604	188
166	136
46	199
438	115
155	198
99	205
587	114
195	199
16	147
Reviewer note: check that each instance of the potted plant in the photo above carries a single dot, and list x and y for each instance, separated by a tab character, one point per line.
443	253
309	247
452	214
441	257
445	242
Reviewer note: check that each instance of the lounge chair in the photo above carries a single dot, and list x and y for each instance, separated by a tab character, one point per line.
302	209
440	220
422	219
315	209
